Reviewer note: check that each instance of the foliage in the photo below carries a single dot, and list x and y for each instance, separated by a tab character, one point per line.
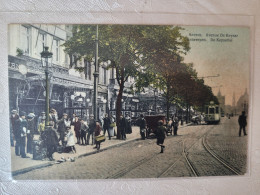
153	55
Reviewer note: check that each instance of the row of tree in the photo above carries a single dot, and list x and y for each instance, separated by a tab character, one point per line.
153	55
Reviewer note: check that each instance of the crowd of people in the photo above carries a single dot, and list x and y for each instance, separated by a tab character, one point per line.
61	133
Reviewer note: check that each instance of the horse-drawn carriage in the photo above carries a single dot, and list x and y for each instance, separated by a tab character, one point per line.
152	124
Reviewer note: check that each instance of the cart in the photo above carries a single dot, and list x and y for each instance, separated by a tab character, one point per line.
152	124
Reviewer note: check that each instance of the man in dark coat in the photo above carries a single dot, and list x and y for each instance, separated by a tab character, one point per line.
106	125
175	125
30	132
62	124
122	126
242	123
51	140
128	129
16	131
142	124
91	129
76	125
13	127
23	129
160	134
83	131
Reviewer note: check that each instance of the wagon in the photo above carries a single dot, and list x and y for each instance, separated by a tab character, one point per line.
152	124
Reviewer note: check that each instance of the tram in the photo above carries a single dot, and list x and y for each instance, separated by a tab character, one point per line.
212	113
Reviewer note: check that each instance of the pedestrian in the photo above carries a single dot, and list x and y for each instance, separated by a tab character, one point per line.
128	129
242	123
112	126
41	126
14	117
106	125
72	119
15	121
42	116
54	117
30	132
83	131
175	124
76	125
51	140
23	129
70	140
142	124
122	127
62	124
161	134
91	129
97	133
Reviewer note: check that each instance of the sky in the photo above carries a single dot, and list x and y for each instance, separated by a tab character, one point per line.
228	56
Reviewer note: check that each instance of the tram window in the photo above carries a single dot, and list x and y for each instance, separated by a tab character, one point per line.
207	110
216	110
211	110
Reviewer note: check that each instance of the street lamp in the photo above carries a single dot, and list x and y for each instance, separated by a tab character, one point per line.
46	57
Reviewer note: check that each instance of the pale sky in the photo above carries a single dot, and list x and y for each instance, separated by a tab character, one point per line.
230	59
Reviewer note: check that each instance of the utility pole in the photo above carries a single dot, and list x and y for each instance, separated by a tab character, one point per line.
96	78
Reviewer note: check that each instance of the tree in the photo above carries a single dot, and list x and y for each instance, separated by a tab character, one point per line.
121	44
166	47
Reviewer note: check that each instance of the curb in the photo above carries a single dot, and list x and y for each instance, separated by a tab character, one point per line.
25	170
108	147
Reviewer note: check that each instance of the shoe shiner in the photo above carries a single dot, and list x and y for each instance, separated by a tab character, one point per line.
70	140
51	140
161	134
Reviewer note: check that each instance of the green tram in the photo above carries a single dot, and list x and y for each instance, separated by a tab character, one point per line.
212	113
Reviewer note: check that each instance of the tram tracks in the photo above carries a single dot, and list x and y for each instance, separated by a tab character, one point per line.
214	155
184	154
148	158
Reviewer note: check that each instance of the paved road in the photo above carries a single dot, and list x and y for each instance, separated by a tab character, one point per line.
141	158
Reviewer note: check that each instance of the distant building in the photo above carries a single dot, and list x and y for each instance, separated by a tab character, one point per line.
242	103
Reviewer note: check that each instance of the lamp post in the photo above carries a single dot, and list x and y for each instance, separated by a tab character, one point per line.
45	57
96	78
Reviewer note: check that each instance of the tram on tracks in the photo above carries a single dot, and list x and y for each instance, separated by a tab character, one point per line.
212	113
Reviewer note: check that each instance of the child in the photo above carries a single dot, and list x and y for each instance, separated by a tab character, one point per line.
97	133
41	126
70	139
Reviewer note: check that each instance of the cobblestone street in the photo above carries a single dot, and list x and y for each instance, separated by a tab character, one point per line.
141	158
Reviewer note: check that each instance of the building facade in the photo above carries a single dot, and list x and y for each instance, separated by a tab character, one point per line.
71	91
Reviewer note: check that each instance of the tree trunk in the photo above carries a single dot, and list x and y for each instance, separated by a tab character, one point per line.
118	108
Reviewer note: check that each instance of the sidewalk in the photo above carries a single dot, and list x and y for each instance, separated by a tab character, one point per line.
22	165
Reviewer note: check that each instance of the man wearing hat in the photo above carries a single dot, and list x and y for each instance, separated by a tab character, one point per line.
91	129
13	127
30	132
62	124
23	129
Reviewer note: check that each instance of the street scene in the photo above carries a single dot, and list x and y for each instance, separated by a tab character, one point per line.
198	150
128	101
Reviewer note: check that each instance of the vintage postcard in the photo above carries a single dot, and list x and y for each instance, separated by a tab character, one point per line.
128	101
